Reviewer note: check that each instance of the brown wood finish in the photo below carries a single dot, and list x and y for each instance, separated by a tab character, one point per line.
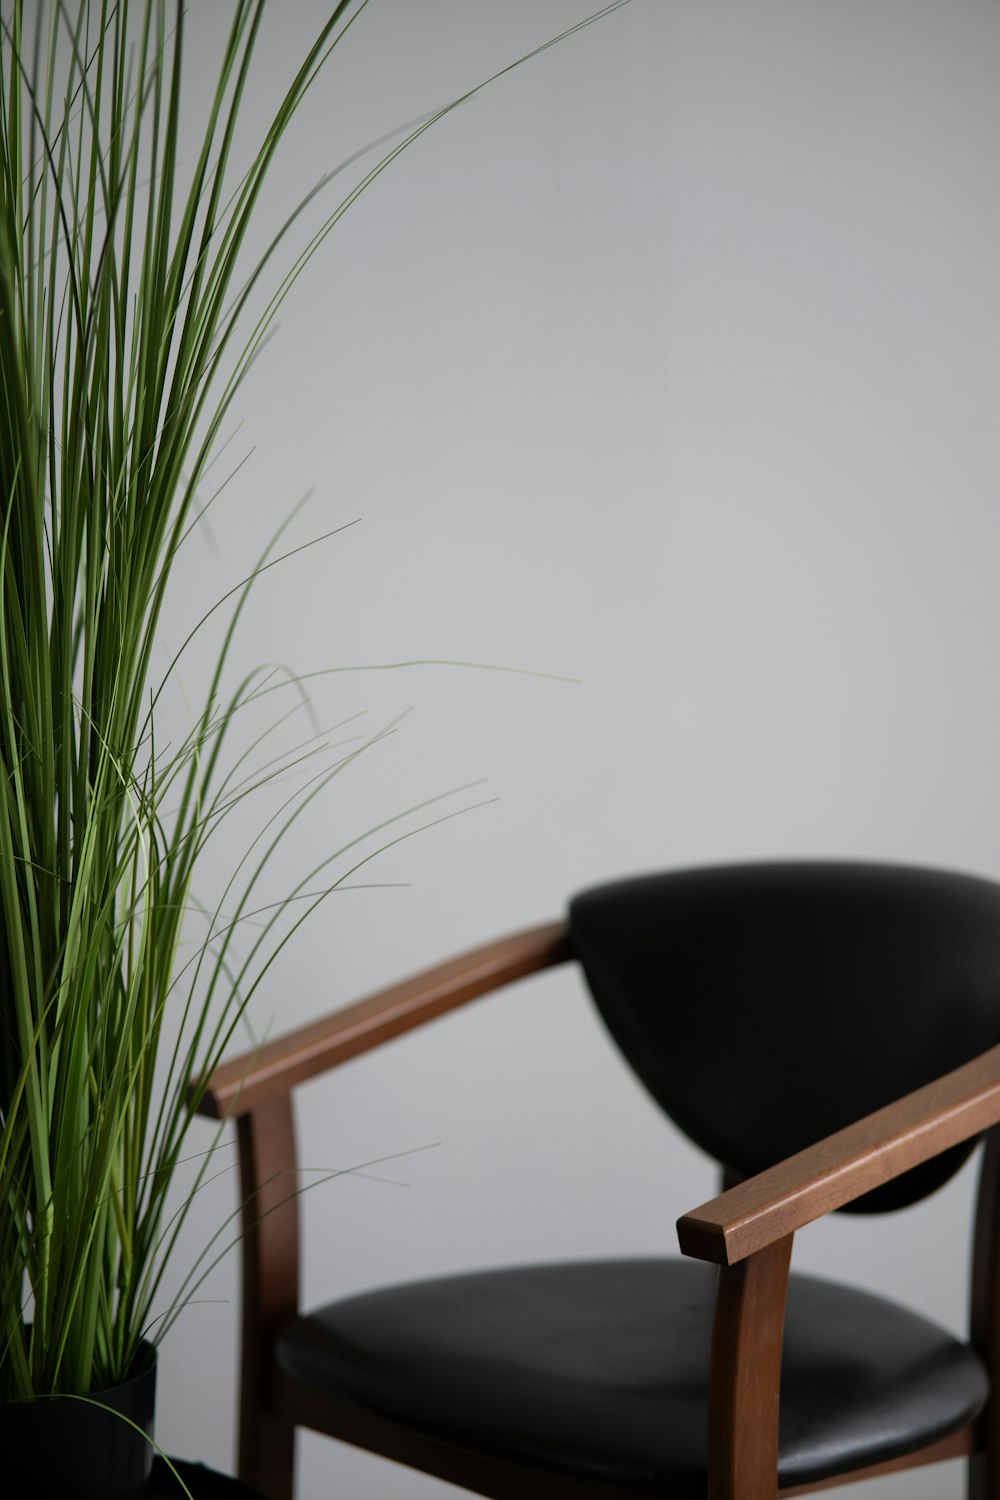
775	1203
745	1384
984	1318
748	1230
498	1480
476	1472
270	1247
239	1086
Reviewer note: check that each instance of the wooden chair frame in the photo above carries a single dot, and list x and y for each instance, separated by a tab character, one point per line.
747	1231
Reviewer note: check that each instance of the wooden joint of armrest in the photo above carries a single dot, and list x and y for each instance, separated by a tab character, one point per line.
844	1166
239	1086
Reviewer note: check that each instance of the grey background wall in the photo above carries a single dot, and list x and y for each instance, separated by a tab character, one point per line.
669	364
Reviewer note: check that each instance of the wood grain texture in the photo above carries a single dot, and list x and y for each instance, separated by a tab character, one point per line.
269	1211
478	1473
748	1230
844	1166
240	1085
745	1387
481	1474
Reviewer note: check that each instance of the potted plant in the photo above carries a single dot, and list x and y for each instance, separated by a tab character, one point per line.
124	336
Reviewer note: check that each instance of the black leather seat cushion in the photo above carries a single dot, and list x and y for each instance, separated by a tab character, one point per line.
599	1370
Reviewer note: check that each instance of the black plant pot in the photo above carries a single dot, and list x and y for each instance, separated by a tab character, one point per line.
59	1446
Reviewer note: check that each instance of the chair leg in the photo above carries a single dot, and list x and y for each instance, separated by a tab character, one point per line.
746	1376
267	1455
977	1478
984	1466
268	1181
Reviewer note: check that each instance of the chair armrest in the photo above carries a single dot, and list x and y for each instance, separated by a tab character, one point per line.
240	1085
844	1166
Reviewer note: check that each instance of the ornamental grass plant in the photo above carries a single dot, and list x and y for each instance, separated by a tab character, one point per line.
128	319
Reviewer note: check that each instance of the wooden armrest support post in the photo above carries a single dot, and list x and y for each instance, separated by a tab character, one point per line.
744	1393
241	1085
765	1209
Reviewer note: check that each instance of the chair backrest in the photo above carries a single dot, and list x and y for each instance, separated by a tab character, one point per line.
766	1006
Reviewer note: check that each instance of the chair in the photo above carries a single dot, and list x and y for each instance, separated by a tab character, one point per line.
830	1034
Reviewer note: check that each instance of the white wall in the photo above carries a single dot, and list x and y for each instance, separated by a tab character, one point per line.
668	364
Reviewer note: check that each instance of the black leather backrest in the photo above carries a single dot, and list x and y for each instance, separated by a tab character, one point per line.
765	1006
